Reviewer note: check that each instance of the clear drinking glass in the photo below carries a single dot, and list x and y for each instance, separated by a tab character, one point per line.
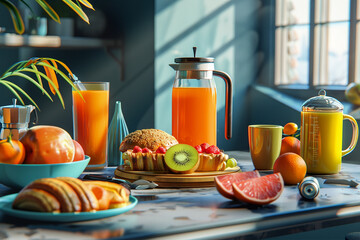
91	120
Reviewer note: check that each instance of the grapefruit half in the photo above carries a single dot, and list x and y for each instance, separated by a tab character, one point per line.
259	191
224	183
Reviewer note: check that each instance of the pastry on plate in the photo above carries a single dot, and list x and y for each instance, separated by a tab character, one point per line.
144	150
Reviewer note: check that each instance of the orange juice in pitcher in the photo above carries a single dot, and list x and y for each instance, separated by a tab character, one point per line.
188	106
194	101
321	134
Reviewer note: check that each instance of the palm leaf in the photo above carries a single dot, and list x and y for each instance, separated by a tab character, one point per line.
62	64
57	92
6	84
49	10
19	74
52	75
86	4
15	16
13	85
36	71
77	9
64	77
15	65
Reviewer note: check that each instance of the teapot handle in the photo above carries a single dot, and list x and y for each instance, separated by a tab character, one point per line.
228	102
36	119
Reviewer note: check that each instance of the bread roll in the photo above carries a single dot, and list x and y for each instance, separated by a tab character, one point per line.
148	138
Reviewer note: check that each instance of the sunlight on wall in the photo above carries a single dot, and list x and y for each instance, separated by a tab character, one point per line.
180	25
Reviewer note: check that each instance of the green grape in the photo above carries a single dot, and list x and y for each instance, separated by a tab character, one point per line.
231	162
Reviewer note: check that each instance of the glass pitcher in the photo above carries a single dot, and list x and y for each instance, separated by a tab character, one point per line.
321	134
194	101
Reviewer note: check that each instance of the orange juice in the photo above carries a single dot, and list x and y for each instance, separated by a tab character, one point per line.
194	115
91	123
321	141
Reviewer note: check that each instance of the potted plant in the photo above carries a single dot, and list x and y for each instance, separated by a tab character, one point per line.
18	20
30	71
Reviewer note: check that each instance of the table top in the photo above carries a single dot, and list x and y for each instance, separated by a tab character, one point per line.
202	213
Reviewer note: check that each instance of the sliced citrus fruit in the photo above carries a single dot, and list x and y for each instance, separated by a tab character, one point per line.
224	183
259	191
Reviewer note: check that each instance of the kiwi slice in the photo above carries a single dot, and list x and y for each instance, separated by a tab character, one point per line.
182	158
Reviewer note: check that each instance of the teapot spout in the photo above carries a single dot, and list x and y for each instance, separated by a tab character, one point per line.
174	66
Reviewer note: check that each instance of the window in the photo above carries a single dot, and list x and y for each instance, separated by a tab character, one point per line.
315	43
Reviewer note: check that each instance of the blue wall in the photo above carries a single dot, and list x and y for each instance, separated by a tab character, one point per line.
225	30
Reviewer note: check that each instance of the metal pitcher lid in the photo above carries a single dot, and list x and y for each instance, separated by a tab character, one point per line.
322	103
194	63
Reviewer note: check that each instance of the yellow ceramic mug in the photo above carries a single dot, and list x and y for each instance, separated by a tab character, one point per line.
264	144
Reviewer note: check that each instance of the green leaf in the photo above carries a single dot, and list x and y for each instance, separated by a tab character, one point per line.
64	77
12	67
6	84
19	74
49	10
50	82
62	64
36	71
23	92
86	4
15	15
77	9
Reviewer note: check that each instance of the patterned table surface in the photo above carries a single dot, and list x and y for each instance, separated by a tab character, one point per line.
202	213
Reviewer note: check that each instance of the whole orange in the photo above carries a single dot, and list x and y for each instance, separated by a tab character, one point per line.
290	128
290	144
11	151
291	166
48	144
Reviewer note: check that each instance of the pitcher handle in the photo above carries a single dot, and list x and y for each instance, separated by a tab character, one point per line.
355	135
228	102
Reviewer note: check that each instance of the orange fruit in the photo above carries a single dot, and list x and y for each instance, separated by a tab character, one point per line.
11	151
259	191
290	128
290	144
48	144
224	183
79	152
291	166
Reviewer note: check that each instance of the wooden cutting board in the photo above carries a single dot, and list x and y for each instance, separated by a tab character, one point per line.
170	180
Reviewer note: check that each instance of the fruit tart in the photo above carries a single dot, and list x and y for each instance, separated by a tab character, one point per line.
144	150
211	158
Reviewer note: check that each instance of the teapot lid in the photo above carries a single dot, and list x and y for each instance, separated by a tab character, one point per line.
322	103
15	113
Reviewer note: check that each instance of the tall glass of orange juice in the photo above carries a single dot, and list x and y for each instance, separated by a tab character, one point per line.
321	134
91	120
194	101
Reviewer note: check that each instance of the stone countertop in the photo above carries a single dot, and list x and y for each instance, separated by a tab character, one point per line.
191	213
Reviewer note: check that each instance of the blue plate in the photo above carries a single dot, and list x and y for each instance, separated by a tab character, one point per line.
6	202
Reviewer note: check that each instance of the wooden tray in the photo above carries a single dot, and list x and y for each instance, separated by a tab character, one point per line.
197	179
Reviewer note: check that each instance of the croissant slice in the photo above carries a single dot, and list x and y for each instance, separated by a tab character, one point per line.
36	200
69	201
87	198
